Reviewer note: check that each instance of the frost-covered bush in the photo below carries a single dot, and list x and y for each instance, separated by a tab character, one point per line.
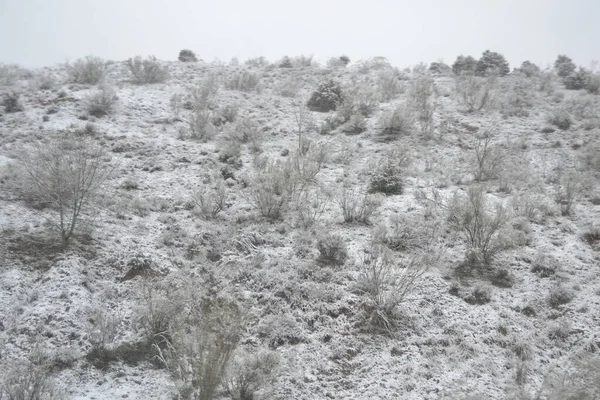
327	97
27	381
279	330
336	62
560	295
492	63
464	65
9	74
11	103
592	83
576	80
147	70
101	102
89	70
385	283
210	201
560	118
564	66
389	84
475	92
398	121
529	69
245	81
332	250
481	225
489	159
250	373
440	68
187	55
66	175
198	354
358	207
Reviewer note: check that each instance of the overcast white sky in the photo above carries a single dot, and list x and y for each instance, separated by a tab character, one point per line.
36	33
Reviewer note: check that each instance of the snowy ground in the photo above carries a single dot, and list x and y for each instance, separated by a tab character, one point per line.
445	348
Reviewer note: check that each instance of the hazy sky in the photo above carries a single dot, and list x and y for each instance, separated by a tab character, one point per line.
36	33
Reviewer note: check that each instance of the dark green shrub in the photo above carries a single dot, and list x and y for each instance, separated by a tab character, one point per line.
326	98
440	68
561	119
492	63
387	179
464	65
186	55
564	66
11	103
332	250
576	80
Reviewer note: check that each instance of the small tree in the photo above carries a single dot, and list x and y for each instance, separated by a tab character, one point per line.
564	66
65	174
492	63
529	69
464	65
489	159
186	55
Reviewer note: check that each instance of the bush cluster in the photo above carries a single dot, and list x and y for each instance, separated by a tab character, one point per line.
147	70
89	70
327	97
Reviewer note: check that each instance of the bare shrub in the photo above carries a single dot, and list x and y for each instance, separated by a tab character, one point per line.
200	124
202	95
396	122
356	206
89	70
386	284
66	174
481	227
27	381
476	93
272	187
310	205
147	70
517	95
198	356
570	186
101	102
289	87
489	159
245	81
251	373
389	83
406	233
332	250
159	312
211	201
45	81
